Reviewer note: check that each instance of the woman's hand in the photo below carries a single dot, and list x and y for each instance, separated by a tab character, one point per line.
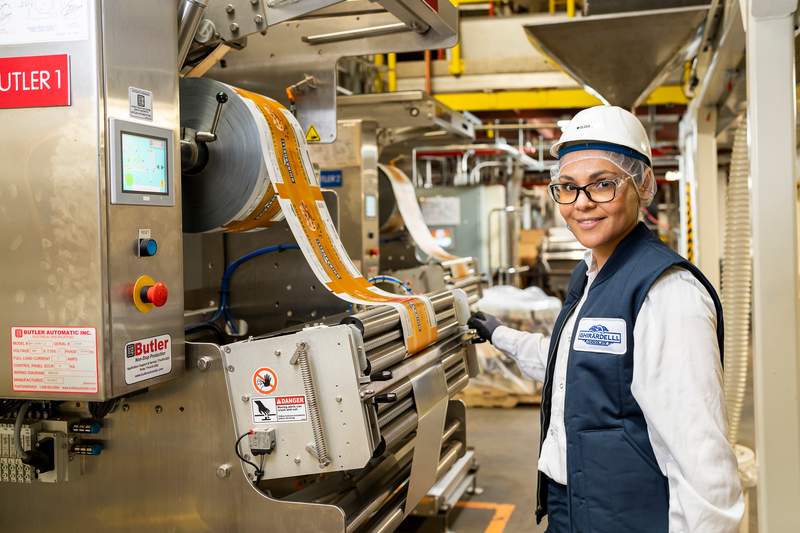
484	324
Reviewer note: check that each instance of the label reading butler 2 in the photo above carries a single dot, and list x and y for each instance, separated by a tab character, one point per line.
148	358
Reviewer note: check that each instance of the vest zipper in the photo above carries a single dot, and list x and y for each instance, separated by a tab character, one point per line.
547	393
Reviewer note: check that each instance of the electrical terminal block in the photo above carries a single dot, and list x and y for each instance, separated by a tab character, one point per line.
262	441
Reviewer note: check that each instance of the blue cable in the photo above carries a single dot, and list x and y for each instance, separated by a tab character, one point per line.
392	239
392	280
223	304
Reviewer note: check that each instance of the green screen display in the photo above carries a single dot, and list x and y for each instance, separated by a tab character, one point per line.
144	164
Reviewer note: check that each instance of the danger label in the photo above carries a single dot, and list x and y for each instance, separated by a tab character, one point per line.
265	380
284	409
54	360
148	358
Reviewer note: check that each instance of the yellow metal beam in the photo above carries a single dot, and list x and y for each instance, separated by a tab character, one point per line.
547	99
392	58
378	73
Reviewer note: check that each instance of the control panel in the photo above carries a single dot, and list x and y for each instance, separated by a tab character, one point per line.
140	164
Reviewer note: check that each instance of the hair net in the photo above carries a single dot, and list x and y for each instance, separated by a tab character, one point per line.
639	171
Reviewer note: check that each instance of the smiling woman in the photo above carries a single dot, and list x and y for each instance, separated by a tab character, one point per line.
607	210
634	424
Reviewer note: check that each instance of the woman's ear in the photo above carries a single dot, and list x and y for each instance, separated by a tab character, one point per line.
648	187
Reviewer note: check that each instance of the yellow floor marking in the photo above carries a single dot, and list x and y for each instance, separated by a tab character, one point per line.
502	512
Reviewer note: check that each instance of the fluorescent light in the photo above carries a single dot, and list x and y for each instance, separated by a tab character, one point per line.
672	175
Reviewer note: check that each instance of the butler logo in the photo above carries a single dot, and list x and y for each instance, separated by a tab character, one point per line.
598	335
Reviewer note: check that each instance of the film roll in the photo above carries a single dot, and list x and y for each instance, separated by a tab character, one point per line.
406	211
232	192
258	171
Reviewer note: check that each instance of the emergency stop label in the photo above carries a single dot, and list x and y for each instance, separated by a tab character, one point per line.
282	409
62	360
148	358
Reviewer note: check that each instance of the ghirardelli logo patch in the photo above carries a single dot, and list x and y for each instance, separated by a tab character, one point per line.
598	335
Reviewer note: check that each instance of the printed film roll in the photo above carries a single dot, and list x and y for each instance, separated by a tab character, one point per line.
411	215
274	149
233	191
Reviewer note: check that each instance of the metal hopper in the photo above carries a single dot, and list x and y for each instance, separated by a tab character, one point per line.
621	57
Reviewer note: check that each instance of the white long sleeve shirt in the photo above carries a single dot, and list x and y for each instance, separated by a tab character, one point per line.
677	381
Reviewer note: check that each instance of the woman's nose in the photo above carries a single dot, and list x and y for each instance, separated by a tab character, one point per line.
583	202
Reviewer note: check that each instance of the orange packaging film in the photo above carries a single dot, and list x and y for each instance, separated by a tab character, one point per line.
411	214
298	195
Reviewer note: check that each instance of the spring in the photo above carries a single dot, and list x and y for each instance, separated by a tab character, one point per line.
311	398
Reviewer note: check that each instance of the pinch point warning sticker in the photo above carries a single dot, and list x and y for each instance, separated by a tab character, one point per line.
281	409
265	380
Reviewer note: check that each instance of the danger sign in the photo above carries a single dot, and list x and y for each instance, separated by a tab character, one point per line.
265	380
285	409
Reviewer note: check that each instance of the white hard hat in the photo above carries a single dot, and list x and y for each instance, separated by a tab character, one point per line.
605	128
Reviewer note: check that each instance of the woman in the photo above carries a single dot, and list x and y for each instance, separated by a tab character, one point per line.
634	423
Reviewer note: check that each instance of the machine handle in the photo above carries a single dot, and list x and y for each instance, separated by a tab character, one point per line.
211	136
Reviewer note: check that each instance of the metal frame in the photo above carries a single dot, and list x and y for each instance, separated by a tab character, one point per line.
290	52
773	151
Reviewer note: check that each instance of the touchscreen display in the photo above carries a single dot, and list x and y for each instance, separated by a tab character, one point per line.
370	206
443	237
144	164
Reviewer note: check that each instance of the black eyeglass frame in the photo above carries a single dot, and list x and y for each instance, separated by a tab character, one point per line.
616	181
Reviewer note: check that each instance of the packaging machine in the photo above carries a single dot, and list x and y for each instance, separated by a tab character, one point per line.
302	415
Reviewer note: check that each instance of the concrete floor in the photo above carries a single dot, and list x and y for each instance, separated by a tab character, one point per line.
506	442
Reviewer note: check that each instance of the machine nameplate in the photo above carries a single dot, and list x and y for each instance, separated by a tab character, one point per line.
48	359
279	409
34	81
141	103
330	178
148	358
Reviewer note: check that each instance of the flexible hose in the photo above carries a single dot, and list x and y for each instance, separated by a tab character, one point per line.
736	281
18	432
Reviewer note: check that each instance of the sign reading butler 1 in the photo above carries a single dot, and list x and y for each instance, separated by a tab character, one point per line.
34	81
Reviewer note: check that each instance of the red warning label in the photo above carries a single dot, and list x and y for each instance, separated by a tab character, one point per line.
265	380
286	409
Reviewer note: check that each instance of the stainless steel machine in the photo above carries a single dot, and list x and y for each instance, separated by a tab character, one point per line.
301	414
385	128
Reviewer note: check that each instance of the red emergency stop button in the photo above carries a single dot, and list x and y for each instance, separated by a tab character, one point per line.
155	294
373	252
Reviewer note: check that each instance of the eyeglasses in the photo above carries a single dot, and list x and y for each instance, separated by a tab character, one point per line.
599	192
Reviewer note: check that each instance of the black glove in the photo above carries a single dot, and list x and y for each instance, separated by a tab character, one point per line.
484	324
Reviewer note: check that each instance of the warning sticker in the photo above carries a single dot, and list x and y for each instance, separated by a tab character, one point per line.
282	409
148	358
312	135
265	380
54	360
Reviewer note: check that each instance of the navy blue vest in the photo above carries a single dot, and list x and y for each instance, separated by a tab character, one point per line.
613	478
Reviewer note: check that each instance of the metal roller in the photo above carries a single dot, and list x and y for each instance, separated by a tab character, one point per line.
235	171
393	353
377	321
404	423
